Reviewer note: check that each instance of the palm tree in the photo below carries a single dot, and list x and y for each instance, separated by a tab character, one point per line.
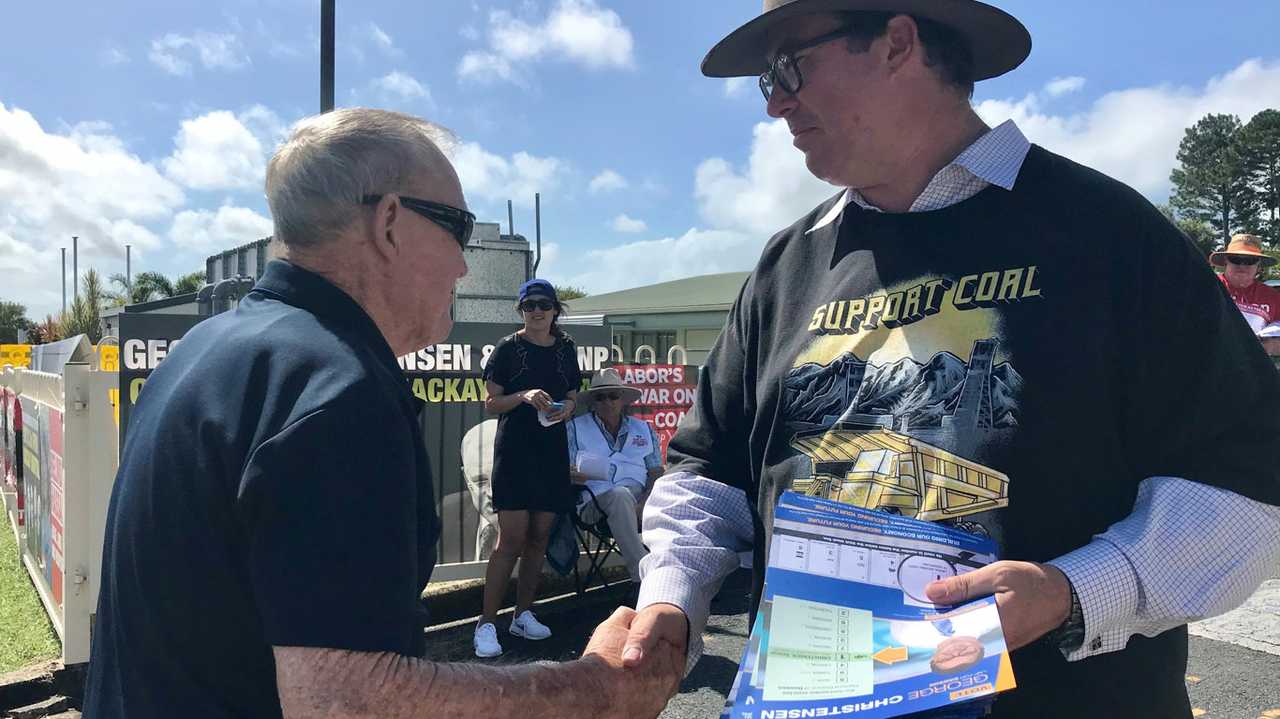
84	317
188	283
153	285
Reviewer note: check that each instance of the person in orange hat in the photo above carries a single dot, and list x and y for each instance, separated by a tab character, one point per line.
1241	264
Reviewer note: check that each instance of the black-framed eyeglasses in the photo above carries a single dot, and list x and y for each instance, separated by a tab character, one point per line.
606	396
1246	261
784	71
531	305
455	221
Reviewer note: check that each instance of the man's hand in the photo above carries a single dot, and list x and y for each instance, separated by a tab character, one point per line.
654	624
1033	599
634	691
1271	345
577	477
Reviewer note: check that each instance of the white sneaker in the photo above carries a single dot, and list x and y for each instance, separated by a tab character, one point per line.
526	625
486	641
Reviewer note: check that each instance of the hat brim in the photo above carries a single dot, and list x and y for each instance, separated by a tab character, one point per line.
1219	259
629	394
998	40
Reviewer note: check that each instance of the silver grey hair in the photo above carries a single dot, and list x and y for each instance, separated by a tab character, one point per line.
318	177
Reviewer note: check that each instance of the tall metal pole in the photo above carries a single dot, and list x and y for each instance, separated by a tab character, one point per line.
128	271
537	229
75	266
326	55
511	223
64	280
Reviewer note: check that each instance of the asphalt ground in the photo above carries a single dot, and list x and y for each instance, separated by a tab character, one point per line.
1224	680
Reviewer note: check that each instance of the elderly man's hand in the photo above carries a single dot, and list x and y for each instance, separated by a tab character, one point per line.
1034	599
655	624
1271	345
577	477
633	691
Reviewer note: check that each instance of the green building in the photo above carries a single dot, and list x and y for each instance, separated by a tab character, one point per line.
648	322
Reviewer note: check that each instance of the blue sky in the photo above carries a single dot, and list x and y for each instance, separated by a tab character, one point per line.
149	123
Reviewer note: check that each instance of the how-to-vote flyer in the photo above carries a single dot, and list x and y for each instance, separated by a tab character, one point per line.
844	627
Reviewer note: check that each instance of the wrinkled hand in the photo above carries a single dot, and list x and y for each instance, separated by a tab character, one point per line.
1033	599
536	397
1271	345
577	477
633	691
653	625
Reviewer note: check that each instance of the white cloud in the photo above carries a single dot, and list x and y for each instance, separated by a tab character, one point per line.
772	191
216	151
607	181
401	86
175	53
82	182
114	56
622	223
578	31
696	252
1064	86
495	178
736	87
207	231
383	41
1133	134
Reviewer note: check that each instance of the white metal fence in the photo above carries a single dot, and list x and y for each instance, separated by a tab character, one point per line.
67	452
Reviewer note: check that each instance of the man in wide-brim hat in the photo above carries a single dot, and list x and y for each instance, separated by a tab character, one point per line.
1241	263
967	294
617	457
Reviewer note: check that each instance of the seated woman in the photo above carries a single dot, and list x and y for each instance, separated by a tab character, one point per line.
618	458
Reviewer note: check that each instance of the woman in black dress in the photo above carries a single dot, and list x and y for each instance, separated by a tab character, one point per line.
532	378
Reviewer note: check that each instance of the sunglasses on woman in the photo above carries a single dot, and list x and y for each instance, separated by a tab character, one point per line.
1246	261
531	305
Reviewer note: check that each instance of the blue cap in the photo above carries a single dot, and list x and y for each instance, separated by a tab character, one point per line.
537	288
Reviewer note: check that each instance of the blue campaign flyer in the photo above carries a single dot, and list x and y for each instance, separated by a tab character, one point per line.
845	629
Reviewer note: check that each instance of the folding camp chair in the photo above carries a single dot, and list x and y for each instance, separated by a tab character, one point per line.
596	540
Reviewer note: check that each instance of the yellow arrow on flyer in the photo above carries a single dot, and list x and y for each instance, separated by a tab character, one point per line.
891	655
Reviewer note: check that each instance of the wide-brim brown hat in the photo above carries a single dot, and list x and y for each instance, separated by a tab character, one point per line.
1242	246
607	380
999	42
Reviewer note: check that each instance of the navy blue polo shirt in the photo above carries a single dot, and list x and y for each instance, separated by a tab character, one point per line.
273	490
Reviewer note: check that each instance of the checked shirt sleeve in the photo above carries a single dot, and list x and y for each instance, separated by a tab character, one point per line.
1188	551
694	528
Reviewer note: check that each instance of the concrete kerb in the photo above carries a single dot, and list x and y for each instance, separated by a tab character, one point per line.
38	682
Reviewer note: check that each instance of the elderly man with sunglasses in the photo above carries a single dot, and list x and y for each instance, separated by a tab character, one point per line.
617	458
273	522
1241	264
975	331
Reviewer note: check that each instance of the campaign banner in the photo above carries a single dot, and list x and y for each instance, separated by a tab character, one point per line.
16	355
145	340
42	477
666	394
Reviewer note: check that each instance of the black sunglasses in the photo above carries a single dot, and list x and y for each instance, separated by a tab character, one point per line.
605	396
455	221
784	72
1246	261
531	305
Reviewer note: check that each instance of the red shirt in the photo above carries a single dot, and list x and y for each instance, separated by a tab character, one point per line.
1259	303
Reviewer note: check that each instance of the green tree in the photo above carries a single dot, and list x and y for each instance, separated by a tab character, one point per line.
1199	232
569	292
152	285
85	314
13	318
1210	183
188	283
1260	148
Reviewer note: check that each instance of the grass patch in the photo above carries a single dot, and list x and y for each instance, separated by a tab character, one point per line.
26	636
